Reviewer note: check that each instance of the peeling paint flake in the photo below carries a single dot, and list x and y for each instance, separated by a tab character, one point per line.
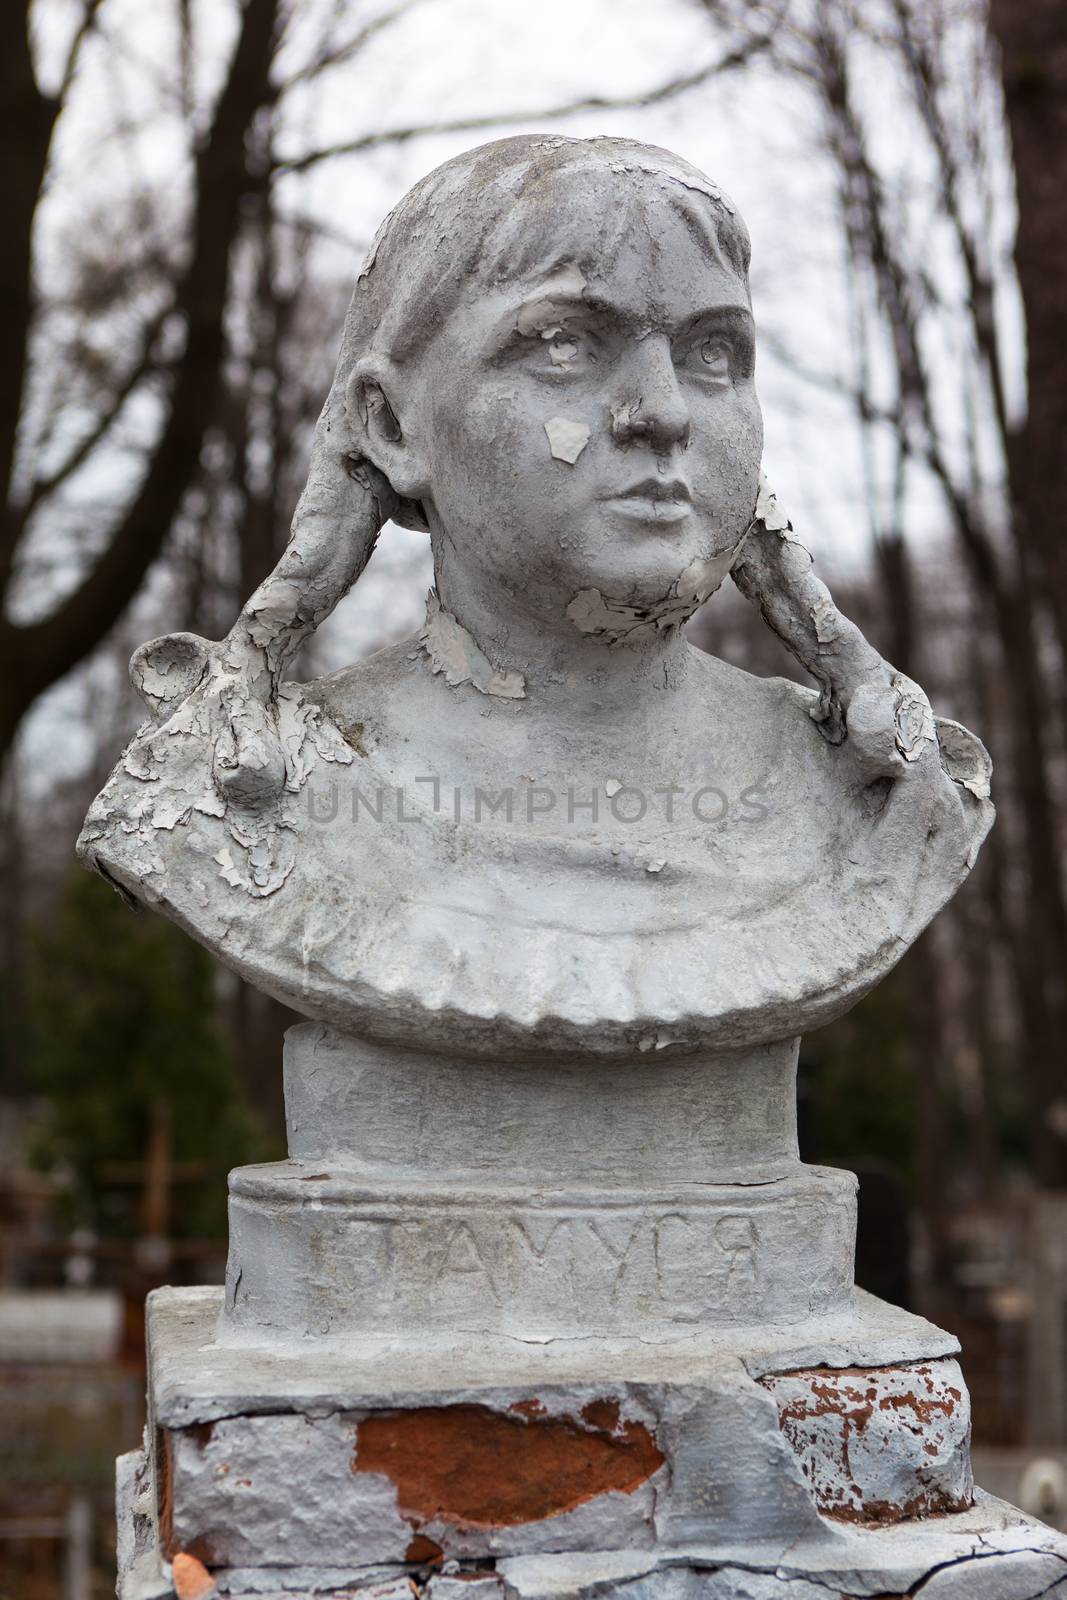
593	612
566	439
454	654
774	519
914	719
554	300
227	870
623	414
964	757
827	620
691	180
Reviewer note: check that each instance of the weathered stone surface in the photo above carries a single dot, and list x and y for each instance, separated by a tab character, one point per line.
423	1451
991	1552
1024	1575
313	1252
880	1444
408	1486
386	1113
535	1198
200	1371
135	1496
468	1586
571	1467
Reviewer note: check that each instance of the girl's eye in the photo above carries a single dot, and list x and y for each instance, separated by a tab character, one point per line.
562	350
566	349
715	355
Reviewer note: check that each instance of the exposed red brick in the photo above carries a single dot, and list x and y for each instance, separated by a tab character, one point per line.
851	1395
423	1550
192	1580
883	1513
165	1490
475	1467
602	1414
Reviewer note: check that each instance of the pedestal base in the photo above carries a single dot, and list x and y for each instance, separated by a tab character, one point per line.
513	1332
323	1254
541	1200
991	1552
741	1464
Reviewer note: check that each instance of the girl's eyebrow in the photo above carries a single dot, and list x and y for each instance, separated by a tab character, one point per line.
537	312
723	313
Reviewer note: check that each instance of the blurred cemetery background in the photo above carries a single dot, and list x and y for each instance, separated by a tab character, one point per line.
189	189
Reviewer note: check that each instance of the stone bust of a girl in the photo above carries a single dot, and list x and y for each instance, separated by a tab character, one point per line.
546	823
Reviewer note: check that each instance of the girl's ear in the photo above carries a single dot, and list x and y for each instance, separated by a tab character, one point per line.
379	413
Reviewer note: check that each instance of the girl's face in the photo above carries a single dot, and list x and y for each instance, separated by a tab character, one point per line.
594	424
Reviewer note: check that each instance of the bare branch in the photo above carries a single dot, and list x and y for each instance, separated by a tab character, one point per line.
924	75
43	487
83	29
37	654
27	121
339	54
509	119
872	240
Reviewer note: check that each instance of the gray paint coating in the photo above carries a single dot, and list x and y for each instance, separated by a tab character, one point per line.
528	285
382	1111
248	1425
318	1253
539	1198
201	1370
543	1144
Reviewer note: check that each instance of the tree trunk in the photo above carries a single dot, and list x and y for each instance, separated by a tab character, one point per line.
1033	46
34	657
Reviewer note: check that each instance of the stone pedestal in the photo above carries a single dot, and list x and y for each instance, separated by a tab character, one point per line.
536	1199
555	1330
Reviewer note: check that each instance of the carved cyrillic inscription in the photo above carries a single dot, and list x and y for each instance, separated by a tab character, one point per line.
464	1257
548	1267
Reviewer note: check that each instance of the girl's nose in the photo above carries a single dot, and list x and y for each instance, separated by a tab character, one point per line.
651	407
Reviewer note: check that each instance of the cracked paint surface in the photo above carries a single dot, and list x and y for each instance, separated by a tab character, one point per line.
212	815
884	716
453	653
618	623
880	1445
698	1482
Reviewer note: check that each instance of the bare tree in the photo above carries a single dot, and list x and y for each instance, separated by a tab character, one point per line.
948	230
930	269
77	369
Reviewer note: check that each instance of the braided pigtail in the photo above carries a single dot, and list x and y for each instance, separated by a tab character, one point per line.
885	717
335	528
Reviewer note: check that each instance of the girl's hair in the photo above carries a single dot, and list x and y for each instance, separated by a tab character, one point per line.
492	214
486	216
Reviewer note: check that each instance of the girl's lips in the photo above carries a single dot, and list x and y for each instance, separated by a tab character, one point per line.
653	501
669	490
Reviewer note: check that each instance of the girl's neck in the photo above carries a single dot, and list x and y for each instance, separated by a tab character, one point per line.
558	669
